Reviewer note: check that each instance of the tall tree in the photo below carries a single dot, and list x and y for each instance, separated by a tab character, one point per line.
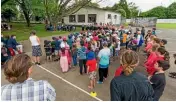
57	9
160	12
171	11
133	9
25	7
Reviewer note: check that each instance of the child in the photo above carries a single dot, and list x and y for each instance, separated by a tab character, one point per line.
151	60
74	54
91	67
63	60
117	47
163	42
158	80
48	50
82	58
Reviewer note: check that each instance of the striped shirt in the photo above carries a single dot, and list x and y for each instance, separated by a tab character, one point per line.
29	90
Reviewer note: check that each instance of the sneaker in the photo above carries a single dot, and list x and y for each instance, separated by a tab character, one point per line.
36	63
99	82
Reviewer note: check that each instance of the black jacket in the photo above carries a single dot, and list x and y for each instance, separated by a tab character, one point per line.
134	87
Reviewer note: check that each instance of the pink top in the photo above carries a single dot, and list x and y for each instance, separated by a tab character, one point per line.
149	46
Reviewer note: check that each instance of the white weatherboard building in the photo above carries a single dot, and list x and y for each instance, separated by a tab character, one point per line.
91	15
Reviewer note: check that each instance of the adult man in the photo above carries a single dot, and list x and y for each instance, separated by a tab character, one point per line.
23	88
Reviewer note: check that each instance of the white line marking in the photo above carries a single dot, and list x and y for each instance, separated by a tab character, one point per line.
69	83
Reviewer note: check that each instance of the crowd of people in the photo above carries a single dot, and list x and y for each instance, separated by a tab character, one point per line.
61	27
93	50
9	47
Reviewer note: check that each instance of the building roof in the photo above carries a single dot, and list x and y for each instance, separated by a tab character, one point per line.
101	9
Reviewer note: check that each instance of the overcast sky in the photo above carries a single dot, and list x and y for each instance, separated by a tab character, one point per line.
144	5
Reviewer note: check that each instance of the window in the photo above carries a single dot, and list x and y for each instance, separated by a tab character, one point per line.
92	18
72	18
115	16
109	16
81	18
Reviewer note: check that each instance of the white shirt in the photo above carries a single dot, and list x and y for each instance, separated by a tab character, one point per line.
34	41
118	47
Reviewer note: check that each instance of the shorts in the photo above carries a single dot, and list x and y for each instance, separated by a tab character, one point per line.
92	75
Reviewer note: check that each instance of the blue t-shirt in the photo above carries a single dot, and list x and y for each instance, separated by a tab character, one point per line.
81	53
104	56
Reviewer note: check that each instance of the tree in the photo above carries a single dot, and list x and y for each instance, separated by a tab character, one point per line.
171	11
4	2
8	14
133	9
25	8
93	4
57	9
159	12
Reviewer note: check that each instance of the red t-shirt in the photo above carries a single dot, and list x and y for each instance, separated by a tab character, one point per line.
118	71
92	65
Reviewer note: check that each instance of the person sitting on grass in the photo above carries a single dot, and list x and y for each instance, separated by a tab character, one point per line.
158	80
23	88
91	67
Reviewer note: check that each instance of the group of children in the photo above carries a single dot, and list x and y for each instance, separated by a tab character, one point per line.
85	48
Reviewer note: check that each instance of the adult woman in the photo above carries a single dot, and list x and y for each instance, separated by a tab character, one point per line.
36	49
130	85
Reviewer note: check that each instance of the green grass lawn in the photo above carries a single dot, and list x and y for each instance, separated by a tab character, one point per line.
22	32
166	25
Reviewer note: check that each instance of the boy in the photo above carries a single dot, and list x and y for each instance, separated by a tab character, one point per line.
163	42
158	80
48	50
91	67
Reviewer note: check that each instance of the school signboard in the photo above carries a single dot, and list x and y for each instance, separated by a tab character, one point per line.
144	21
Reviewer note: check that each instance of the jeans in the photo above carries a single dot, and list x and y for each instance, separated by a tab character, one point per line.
74	57
82	63
103	73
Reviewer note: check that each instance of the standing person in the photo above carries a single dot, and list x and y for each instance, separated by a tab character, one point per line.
130	81
91	67
104	57
23	88
36	48
143	32
64	60
74	54
139	40
158	80
82	58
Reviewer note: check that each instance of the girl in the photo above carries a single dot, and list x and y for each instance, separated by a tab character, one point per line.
151	60
63	60
130	81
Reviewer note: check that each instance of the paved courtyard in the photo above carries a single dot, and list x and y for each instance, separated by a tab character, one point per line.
73	87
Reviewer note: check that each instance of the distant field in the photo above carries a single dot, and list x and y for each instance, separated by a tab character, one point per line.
166	25
23	32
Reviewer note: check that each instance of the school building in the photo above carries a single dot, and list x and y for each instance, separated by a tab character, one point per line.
90	15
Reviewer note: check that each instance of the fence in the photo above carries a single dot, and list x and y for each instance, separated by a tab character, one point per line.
159	20
143	21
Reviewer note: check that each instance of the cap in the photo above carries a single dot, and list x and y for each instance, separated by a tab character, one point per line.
164	41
